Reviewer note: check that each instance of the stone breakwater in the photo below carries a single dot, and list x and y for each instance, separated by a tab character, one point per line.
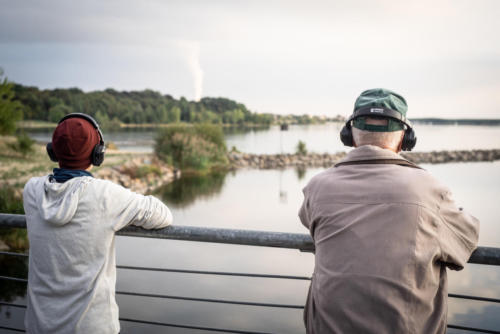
273	161
141	175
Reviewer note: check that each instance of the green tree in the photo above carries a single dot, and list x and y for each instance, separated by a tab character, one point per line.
137	107
174	115
58	111
10	109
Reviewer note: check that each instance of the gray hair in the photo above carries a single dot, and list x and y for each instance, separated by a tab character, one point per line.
389	140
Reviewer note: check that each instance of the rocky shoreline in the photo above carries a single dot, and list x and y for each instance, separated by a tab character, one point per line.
146	173
273	161
142	175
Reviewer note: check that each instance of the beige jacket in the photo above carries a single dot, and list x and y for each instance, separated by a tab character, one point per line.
384	235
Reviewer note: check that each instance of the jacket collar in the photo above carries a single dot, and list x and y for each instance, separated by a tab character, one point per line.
370	152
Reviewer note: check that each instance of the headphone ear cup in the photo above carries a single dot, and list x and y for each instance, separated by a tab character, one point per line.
98	154
409	140
346	136
51	153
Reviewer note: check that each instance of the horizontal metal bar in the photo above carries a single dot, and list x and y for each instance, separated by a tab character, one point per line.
451	295
217	273
151	323
479	330
482	299
14	254
13	329
185	271
202	234
15	279
472	329
208	300
13	305
192	327
303	242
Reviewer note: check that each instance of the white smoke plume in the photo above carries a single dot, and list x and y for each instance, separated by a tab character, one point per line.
191	51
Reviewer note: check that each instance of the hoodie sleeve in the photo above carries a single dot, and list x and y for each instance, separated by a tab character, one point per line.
125	207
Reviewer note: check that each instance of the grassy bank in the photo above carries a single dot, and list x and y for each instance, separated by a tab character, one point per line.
16	169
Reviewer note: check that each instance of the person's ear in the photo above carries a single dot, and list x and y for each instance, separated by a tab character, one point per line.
400	142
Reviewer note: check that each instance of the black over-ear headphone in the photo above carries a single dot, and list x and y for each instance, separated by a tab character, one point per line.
97	156
409	138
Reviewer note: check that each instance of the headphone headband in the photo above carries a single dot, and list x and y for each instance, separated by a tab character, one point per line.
409	138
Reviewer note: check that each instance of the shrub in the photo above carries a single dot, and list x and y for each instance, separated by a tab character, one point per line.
197	148
301	148
23	145
145	170
10	201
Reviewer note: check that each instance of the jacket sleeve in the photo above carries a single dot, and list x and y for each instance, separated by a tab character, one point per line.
458	233
304	212
129	208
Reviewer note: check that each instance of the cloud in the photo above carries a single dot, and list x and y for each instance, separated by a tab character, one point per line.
284	56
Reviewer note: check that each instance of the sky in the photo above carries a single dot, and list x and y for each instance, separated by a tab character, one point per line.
300	57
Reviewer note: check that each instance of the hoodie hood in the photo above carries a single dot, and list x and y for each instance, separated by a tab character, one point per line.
60	200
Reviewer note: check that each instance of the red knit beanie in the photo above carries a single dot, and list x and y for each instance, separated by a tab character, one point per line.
73	142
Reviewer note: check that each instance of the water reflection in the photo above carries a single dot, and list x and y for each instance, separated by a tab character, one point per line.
301	172
185	191
477	316
17	267
16	241
234	130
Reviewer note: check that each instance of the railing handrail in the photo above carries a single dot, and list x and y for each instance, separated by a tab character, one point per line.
300	241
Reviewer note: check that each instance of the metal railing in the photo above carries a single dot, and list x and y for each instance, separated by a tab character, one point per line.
302	242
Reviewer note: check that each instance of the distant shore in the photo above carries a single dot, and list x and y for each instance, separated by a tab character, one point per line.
458	121
32	124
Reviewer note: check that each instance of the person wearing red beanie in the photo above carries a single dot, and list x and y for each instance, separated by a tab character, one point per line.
71	220
73	141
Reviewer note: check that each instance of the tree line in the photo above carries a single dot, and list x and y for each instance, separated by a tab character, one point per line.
111	107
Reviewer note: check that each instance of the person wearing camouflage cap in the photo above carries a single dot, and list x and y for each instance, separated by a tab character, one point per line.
384	231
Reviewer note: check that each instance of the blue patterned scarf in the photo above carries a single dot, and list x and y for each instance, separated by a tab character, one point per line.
62	175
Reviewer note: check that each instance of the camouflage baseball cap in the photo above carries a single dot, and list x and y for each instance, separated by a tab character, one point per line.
380	98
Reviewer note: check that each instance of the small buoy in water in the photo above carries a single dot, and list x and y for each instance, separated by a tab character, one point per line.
284	126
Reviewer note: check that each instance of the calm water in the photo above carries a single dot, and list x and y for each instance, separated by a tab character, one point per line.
269	200
318	138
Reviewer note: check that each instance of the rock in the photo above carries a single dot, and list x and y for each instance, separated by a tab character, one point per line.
268	161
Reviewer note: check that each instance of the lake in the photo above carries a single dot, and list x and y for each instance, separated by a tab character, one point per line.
321	138
269	200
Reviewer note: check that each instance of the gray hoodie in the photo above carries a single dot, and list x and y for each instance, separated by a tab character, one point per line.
72	269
